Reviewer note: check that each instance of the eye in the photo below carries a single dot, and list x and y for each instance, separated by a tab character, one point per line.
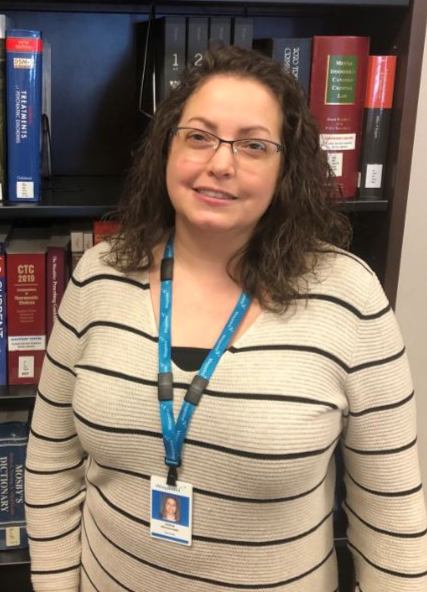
197	137
253	146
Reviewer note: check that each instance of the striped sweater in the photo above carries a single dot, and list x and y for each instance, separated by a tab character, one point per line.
259	451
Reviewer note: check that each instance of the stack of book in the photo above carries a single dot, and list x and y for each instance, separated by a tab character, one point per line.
34	272
349	91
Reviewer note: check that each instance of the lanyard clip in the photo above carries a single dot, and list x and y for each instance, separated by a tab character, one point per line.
172	476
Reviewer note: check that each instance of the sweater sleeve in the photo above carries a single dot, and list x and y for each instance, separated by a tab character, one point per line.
54	480
385	502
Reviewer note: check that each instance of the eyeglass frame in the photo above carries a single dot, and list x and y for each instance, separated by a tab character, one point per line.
175	130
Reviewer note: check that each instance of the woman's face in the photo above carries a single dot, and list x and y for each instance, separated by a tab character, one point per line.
170	506
226	193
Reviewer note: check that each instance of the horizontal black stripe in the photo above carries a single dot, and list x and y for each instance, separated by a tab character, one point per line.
207	445
40	572
385	451
196	578
405	535
53	403
261	455
390	572
387	493
119	326
59	365
57	472
209	392
221	496
383	407
258	544
54	504
56	537
380	362
269	397
115	374
49	439
213	540
346	305
320	352
109	277
288	347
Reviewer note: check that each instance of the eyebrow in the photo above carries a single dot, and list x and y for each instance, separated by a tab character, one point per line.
242	130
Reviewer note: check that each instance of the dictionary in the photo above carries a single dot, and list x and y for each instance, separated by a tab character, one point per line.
23	107
13	447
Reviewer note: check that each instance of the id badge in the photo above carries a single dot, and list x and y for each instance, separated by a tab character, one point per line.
171	511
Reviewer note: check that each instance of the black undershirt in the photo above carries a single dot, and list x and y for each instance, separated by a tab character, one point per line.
189	359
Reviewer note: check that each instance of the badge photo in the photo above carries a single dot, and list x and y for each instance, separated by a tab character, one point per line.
171	511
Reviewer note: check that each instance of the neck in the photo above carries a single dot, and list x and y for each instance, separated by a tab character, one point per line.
203	252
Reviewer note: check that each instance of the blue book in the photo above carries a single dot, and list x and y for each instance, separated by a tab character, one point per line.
13	448
4	232
23	113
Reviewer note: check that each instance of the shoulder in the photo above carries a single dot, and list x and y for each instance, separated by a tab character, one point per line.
345	276
93	262
94	269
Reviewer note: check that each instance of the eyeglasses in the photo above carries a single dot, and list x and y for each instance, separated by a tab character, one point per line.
201	145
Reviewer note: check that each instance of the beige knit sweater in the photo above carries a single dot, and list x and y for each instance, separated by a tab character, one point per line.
259	451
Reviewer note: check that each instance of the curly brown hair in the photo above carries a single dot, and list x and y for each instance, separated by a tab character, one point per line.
301	218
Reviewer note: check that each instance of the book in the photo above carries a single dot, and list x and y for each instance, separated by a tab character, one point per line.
337	95
170	39
4	233
23	105
57	265
219	31
87	240
26	305
4	24
13	448
104	228
376	125
294	53
197	39
243	32
46	117
77	246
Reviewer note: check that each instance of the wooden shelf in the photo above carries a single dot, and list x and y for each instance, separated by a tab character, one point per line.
69	197
16	557
133	5
14	393
91	197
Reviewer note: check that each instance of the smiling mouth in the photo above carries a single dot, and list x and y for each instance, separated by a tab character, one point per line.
215	194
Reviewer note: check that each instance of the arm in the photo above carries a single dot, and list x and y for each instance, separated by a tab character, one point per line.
54	480
385	501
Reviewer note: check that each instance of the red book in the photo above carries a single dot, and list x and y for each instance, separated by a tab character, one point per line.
103	228
337	96
376	125
57	275
26	308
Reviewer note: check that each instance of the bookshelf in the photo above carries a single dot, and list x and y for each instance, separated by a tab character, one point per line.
96	59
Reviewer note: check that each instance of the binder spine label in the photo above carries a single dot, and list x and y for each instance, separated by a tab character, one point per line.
341	80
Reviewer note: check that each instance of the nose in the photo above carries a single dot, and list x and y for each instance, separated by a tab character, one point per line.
222	162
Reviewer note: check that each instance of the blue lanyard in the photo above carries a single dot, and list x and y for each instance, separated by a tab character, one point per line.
174	434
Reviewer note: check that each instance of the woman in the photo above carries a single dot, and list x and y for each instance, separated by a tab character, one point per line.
170	509
230	189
